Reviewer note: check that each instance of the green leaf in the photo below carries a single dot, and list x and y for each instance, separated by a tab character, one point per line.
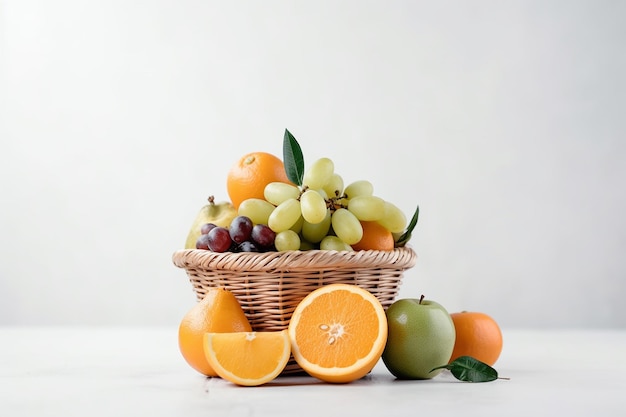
406	236
293	159
466	368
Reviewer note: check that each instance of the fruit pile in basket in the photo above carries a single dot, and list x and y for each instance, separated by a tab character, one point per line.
278	205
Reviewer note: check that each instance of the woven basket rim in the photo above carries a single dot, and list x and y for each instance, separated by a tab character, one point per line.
399	258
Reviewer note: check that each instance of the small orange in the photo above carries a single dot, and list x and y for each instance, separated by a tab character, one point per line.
338	332
477	335
248	358
375	237
248	177
218	311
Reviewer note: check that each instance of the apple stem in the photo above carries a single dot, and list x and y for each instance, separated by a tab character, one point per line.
421	299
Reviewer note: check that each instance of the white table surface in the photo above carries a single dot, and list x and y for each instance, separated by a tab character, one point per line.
80	371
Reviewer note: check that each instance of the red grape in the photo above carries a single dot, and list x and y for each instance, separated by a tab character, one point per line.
202	242
247	246
263	235
206	228
240	229
219	239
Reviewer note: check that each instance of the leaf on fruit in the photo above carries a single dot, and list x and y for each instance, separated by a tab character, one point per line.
406	236
469	369
293	159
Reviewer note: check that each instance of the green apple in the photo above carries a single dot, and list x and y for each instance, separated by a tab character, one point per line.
421	337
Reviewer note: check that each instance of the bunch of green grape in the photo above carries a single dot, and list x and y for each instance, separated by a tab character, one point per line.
322	213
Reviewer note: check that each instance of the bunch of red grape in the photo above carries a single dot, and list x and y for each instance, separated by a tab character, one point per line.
241	236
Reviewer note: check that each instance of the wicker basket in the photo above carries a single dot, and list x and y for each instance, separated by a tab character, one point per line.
270	285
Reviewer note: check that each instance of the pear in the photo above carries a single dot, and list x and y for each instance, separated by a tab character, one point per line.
220	214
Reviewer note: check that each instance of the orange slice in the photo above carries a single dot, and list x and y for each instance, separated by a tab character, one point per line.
248	358
338	333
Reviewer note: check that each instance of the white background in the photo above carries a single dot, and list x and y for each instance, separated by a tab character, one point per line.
504	121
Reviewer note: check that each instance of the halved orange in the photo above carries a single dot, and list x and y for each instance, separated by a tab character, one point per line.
248	358
338	332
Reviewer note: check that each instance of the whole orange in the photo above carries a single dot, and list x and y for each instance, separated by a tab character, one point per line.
218	312
375	237
248	177
477	335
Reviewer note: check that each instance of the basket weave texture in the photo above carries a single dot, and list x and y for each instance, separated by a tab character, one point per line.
270	285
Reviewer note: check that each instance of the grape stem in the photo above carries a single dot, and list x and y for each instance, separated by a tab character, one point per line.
333	203
306	187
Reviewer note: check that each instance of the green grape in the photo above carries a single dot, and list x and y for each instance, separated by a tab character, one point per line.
334	186
319	173
334	243
367	207
277	192
313	206
357	188
316	232
285	215
297	226
256	209
305	245
393	218
287	240
346	226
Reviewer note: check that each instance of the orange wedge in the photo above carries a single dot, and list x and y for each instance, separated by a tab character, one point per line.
248	358
338	333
